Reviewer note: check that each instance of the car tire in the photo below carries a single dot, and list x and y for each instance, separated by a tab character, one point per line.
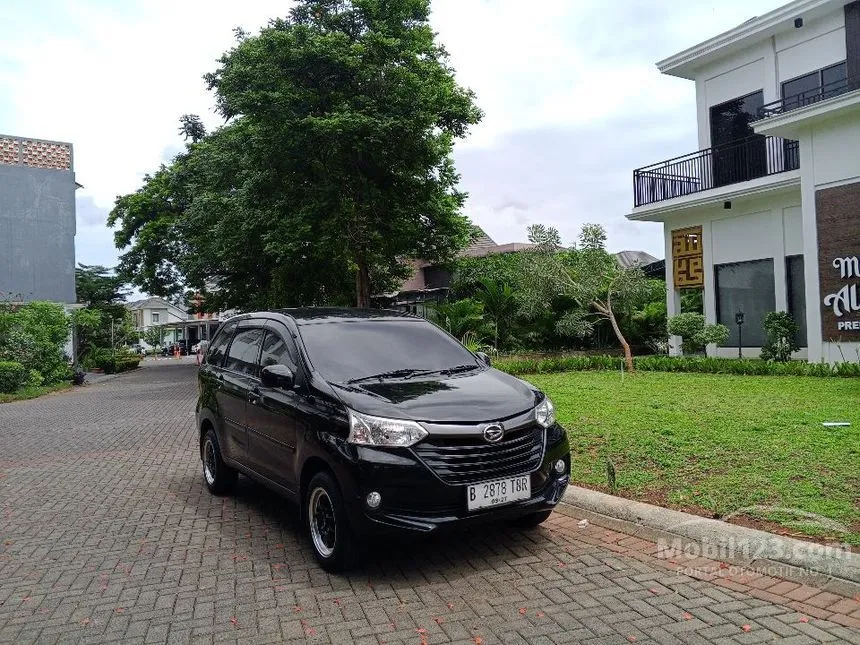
327	524
532	520
219	477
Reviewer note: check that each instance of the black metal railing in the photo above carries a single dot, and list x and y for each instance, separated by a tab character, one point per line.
742	160
809	97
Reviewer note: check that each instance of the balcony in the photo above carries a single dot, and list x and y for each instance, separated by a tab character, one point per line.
809	97
743	160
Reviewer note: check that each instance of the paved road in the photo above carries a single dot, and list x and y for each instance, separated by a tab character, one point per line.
107	534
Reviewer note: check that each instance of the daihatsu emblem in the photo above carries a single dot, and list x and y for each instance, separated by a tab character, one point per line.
494	433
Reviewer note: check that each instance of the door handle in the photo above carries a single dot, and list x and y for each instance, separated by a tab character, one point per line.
254	396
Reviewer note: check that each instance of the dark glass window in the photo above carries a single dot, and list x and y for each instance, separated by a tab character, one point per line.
215	355
796	287
738	153
815	86
746	287
244	350
276	351
340	351
834	77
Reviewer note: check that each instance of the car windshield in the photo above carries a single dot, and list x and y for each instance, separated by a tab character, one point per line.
367	349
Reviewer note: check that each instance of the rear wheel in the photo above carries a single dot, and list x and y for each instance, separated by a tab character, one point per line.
327	523
219	477
532	520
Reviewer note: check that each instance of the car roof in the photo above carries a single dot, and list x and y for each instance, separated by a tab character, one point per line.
309	315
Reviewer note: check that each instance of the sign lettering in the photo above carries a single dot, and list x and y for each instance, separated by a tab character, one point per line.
838	219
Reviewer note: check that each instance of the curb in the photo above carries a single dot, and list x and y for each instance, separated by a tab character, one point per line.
830	568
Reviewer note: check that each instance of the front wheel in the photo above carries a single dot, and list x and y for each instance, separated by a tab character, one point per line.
327	524
532	520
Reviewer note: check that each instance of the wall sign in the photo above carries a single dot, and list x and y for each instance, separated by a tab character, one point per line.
838	220
687	264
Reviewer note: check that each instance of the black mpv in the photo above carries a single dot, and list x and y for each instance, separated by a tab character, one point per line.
374	421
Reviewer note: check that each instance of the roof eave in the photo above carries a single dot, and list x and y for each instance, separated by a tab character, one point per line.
685	63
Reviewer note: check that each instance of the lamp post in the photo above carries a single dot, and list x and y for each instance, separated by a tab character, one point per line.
739	321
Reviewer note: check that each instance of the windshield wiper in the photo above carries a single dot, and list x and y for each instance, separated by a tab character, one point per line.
457	369
401	373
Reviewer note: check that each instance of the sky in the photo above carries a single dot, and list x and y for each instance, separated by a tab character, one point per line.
572	99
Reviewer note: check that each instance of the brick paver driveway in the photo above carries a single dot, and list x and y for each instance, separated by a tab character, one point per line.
107	534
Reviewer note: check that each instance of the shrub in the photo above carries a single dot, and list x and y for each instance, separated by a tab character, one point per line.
119	364
35	335
13	376
781	333
695	334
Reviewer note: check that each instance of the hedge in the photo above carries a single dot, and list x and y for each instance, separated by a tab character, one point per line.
701	364
13	376
117	365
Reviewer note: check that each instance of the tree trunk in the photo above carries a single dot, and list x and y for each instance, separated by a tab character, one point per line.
606	310
628	355
362	284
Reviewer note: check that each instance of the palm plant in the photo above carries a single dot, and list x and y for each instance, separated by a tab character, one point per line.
500	306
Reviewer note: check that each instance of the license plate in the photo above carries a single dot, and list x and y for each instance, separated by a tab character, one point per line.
498	492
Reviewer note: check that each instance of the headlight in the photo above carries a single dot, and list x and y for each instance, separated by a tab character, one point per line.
366	430
545	413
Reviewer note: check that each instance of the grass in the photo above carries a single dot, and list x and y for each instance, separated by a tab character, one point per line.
717	444
34	392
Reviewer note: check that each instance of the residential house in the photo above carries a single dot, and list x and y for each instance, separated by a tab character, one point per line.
431	282
765	216
175	322
37	220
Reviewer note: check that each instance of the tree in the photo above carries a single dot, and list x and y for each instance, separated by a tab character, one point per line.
99	286
103	291
590	276
191	127
460	317
336	155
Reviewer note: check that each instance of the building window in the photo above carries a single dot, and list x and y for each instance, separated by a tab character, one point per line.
746	287
738	153
796	290
154	318
815	86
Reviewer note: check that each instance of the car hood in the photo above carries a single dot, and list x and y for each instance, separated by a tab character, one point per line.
487	395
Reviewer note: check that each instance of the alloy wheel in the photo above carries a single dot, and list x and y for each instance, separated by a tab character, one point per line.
323	524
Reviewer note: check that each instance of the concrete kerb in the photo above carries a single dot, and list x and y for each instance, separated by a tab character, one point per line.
831	568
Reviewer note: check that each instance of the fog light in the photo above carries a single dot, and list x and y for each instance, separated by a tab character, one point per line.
373	500
559	466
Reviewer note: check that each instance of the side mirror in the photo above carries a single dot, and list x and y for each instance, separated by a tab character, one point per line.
484	358
277	376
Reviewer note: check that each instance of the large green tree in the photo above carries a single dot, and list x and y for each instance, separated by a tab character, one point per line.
335	164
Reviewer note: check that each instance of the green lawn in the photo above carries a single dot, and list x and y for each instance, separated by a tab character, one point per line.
715	444
33	392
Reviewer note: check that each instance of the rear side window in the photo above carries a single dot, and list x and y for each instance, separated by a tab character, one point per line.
242	356
218	347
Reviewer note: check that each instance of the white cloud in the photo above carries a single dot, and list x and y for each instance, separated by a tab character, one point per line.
113	78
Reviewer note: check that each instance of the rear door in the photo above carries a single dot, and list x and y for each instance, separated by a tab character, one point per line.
237	378
272	412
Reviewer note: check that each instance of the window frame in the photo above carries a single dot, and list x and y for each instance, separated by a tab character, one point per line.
255	325
227	328
819	91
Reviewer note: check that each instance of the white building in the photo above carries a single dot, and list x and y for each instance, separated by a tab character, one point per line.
766	215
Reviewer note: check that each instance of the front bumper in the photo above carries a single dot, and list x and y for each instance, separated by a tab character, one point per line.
415	499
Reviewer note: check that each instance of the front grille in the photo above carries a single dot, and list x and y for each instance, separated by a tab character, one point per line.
467	460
